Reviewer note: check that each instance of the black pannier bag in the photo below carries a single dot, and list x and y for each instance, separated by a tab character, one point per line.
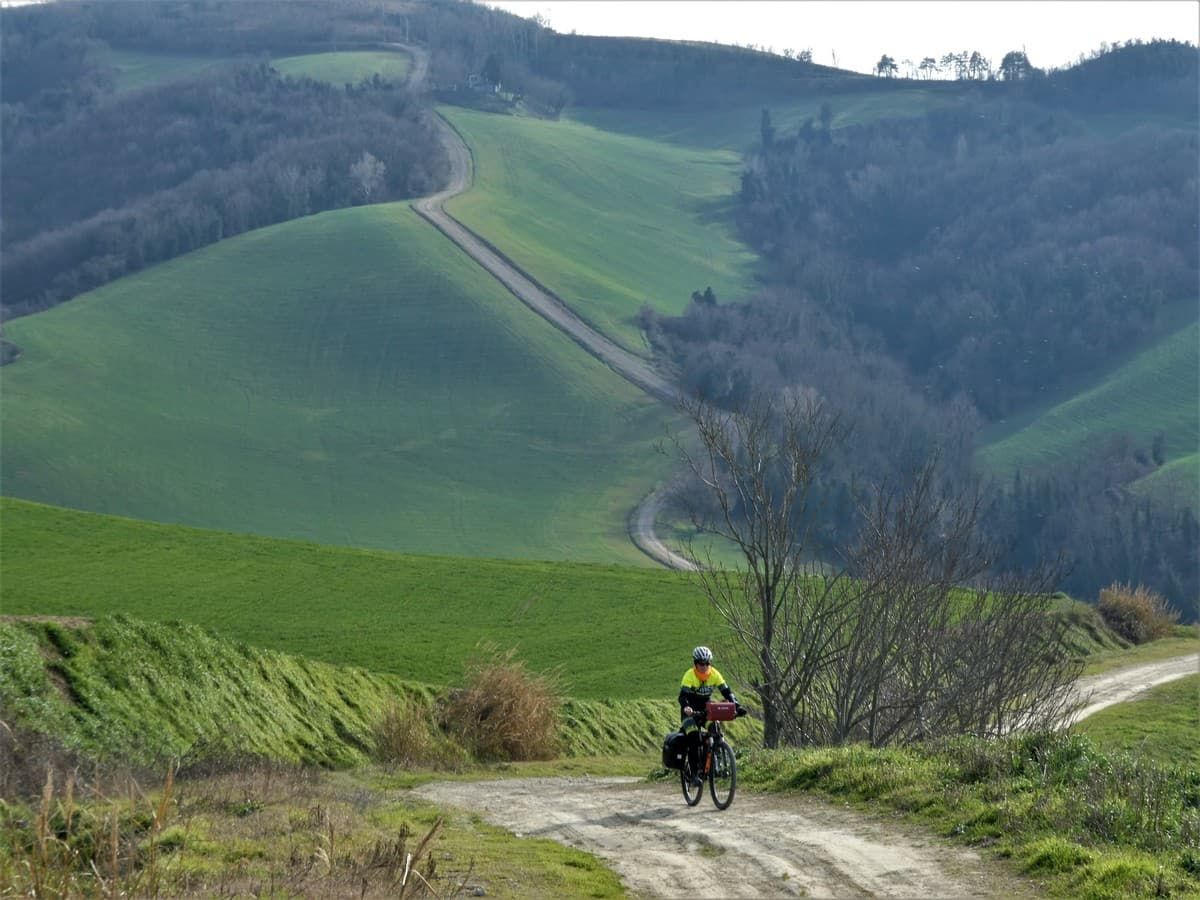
674	750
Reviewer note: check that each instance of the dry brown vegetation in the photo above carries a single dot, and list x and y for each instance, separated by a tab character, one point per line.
1137	614
259	828
407	737
505	712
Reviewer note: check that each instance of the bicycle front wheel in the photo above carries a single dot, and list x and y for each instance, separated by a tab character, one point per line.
693	787
722	777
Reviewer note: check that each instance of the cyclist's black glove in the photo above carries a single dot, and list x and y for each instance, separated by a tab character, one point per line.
740	710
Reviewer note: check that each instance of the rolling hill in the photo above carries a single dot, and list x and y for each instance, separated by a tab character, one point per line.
608	221
613	631
1154	391
349	378
348	67
735	126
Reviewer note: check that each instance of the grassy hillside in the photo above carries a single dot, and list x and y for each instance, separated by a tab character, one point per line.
346	68
349	378
608	221
1160	726
1178	479
1155	391
614	631
736	127
136	69
143	691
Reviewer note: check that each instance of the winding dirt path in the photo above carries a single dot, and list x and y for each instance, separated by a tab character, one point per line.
1098	692
641	531
550	306
522	285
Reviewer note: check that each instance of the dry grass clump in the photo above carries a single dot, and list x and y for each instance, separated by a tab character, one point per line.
505	712
78	841
257	830
1136	614
406	737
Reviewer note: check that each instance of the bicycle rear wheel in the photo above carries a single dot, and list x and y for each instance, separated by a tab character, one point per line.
691	792
722	777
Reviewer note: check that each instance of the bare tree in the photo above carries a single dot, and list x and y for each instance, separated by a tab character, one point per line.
906	639
368	174
757	465
933	647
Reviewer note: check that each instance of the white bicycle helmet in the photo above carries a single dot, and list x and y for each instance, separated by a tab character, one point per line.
702	655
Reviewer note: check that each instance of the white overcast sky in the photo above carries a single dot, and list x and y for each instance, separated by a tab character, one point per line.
1052	32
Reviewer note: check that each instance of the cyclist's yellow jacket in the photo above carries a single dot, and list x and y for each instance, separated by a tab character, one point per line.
695	692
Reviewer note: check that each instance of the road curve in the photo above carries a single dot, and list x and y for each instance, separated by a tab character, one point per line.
1097	692
641	530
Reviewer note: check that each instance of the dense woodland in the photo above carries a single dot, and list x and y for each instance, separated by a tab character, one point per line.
106	184
925	275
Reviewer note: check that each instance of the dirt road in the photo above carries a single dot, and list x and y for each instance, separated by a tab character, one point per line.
762	846
641	530
1100	691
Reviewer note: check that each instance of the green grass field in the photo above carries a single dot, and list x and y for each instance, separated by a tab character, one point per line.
346	68
1162	726
349	378
616	631
1155	391
136	70
608	221
736	127
1178	479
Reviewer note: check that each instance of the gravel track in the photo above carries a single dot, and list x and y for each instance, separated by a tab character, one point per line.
764	845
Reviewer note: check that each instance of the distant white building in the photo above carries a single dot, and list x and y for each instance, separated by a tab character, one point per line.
477	82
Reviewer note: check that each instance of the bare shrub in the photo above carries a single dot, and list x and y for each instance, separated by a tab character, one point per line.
1136	614
505	712
402	737
407	737
915	635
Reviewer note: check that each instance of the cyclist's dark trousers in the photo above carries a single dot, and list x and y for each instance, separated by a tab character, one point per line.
692	731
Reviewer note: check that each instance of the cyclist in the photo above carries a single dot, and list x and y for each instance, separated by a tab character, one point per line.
699	682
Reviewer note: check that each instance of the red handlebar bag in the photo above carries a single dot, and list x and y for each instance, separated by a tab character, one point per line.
721	712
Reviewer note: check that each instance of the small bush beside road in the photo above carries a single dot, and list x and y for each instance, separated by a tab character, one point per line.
1137	614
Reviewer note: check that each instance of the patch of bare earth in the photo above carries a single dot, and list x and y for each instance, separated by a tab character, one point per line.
68	621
